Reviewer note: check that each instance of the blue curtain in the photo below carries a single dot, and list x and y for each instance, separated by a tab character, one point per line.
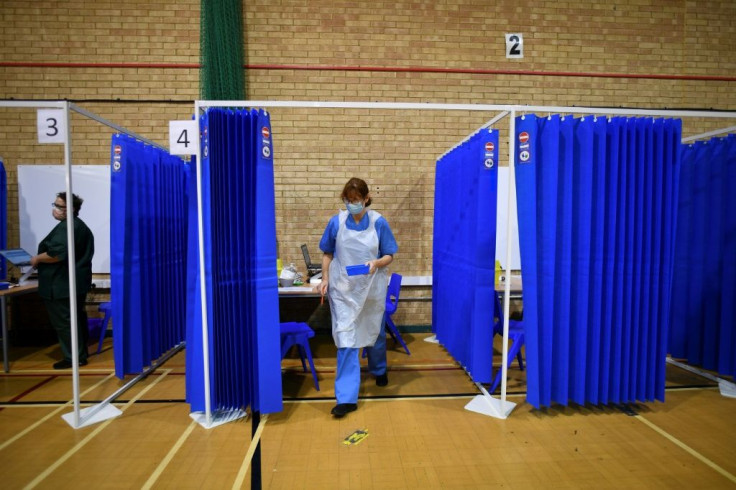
3	220
596	206
704	308
464	251
239	228
148	205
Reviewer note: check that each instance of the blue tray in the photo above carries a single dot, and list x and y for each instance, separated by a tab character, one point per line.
356	270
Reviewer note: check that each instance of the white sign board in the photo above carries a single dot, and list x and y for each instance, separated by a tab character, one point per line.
183	137
514	45
501	228
51	125
37	188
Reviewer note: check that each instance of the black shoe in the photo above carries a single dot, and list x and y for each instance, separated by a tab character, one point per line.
63	364
66	364
342	409
382	380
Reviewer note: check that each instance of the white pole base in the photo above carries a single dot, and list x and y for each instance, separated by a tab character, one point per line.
727	388
218	418
487	405
94	414
432	339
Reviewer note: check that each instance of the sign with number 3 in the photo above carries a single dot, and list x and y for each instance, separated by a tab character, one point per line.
51	125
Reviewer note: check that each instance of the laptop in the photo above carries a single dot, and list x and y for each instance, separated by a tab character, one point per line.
17	256
312	268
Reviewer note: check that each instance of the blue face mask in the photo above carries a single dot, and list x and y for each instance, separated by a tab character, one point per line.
354	208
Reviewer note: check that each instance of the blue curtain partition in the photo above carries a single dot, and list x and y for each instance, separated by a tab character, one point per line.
704	290
464	251
239	228
3	220
596	206
148	245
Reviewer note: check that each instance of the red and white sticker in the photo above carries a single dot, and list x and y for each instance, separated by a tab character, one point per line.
265	132
490	147
523	137
118	149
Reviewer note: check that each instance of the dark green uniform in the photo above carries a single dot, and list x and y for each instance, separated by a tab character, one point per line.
53	283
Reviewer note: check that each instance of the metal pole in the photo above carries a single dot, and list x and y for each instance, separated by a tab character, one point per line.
202	281
72	259
507	285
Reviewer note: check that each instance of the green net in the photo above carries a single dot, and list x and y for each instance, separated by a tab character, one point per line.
222	76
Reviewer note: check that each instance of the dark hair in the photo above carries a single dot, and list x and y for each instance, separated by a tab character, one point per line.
76	201
356	186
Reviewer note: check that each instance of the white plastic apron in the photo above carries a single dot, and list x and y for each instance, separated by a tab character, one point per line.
357	302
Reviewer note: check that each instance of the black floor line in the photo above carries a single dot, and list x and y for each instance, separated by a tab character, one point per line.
315	398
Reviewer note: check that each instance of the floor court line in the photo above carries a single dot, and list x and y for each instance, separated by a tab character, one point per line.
169	456
238	483
41	477
685	447
52	414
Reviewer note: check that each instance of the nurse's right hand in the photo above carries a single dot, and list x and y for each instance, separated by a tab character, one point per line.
321	288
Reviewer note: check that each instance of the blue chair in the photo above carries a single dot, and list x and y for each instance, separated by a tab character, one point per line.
516	336
298	333
102	324
392	303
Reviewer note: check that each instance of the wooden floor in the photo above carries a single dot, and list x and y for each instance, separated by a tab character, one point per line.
418	433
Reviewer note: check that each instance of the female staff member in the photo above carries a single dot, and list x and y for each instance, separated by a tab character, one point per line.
353	237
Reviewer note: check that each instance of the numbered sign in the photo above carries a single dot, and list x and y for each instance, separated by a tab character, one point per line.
183	137
514	46
51	125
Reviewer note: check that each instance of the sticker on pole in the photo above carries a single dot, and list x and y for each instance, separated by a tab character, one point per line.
356	437
183	137
51	125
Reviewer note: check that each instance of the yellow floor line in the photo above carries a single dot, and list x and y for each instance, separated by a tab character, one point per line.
52	414
165	462
687	448
249	455
91	436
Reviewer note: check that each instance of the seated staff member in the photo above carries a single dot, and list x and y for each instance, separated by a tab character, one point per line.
52	263
353	237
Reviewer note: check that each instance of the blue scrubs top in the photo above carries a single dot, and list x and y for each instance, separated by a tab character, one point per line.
386	242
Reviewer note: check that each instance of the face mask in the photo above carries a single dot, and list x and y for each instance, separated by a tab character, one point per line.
354	208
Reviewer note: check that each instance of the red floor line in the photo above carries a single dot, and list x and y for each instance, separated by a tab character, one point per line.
29	390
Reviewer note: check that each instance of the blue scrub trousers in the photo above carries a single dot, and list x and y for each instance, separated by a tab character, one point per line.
347	379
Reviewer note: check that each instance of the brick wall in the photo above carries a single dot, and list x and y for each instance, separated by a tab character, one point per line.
316	151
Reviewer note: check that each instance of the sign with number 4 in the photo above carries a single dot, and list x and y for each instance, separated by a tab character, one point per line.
183	137
51	125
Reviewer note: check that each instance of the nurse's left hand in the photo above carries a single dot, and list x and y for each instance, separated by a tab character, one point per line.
372	266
